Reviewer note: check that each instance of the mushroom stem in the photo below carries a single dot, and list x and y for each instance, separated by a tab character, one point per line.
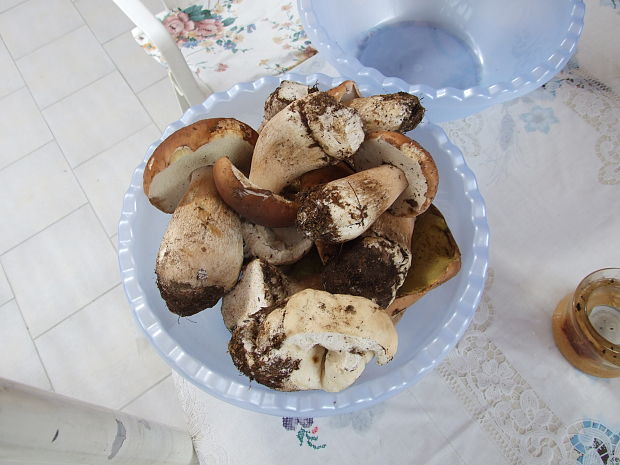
343	209
310	133
201	253
374	265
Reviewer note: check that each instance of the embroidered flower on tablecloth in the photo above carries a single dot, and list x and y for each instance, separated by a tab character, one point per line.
495	379
304	435
531	415
539	119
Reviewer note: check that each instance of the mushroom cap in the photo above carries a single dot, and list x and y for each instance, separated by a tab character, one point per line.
343	209
167	173
277	246
400	112
345	92
310	133
261	285
392	148
257	205
435	259
282	347
201	252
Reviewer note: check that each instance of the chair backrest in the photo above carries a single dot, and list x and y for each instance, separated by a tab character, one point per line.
181	75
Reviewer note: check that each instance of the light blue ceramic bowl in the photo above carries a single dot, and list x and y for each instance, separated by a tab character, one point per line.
459	56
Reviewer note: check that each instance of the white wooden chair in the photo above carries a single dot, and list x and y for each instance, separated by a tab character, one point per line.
208	46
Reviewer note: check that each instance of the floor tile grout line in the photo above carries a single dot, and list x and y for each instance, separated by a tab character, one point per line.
119	71
57	220
21	314
75	312
78	90
15	59
52	140
83	162
152	386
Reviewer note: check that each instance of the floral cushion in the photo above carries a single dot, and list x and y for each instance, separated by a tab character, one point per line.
230	41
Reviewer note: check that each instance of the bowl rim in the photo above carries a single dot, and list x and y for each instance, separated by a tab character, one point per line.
349	66
357	396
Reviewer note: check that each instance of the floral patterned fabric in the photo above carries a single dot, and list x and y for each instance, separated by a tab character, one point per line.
229	41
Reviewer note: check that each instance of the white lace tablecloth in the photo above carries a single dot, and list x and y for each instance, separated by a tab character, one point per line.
548	166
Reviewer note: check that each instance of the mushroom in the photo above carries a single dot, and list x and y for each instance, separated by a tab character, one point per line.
285	94
310	133
374	265
343	209
261	285
392	148
400	112
435	259
201	253
257	205
277	246
167	173
313	340
345	91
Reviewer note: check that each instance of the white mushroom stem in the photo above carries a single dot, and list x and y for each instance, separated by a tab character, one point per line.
261	285
285	94
399	112
277	246
343	209
310	133
201	253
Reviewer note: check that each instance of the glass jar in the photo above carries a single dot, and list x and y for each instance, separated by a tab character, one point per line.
586	324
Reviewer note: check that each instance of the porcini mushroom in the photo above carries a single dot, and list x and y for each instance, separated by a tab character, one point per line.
285	94
257	205
288	347
343	209
374	265
261	285
277	246
167	173
400	112
345	91
201	253
435	259
392	148
310	133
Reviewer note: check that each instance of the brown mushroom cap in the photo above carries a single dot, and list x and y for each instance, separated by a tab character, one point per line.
435	259
392	148
345	92
201	253
257	205
167	173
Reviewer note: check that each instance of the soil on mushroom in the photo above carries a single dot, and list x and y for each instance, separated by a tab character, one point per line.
348	273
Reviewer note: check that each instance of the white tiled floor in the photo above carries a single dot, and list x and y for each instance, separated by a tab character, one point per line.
79	104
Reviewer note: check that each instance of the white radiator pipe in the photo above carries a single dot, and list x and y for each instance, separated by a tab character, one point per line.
39	427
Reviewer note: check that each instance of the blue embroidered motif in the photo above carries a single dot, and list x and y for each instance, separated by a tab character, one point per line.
596	444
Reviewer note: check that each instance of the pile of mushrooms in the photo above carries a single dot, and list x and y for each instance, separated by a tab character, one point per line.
305	231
